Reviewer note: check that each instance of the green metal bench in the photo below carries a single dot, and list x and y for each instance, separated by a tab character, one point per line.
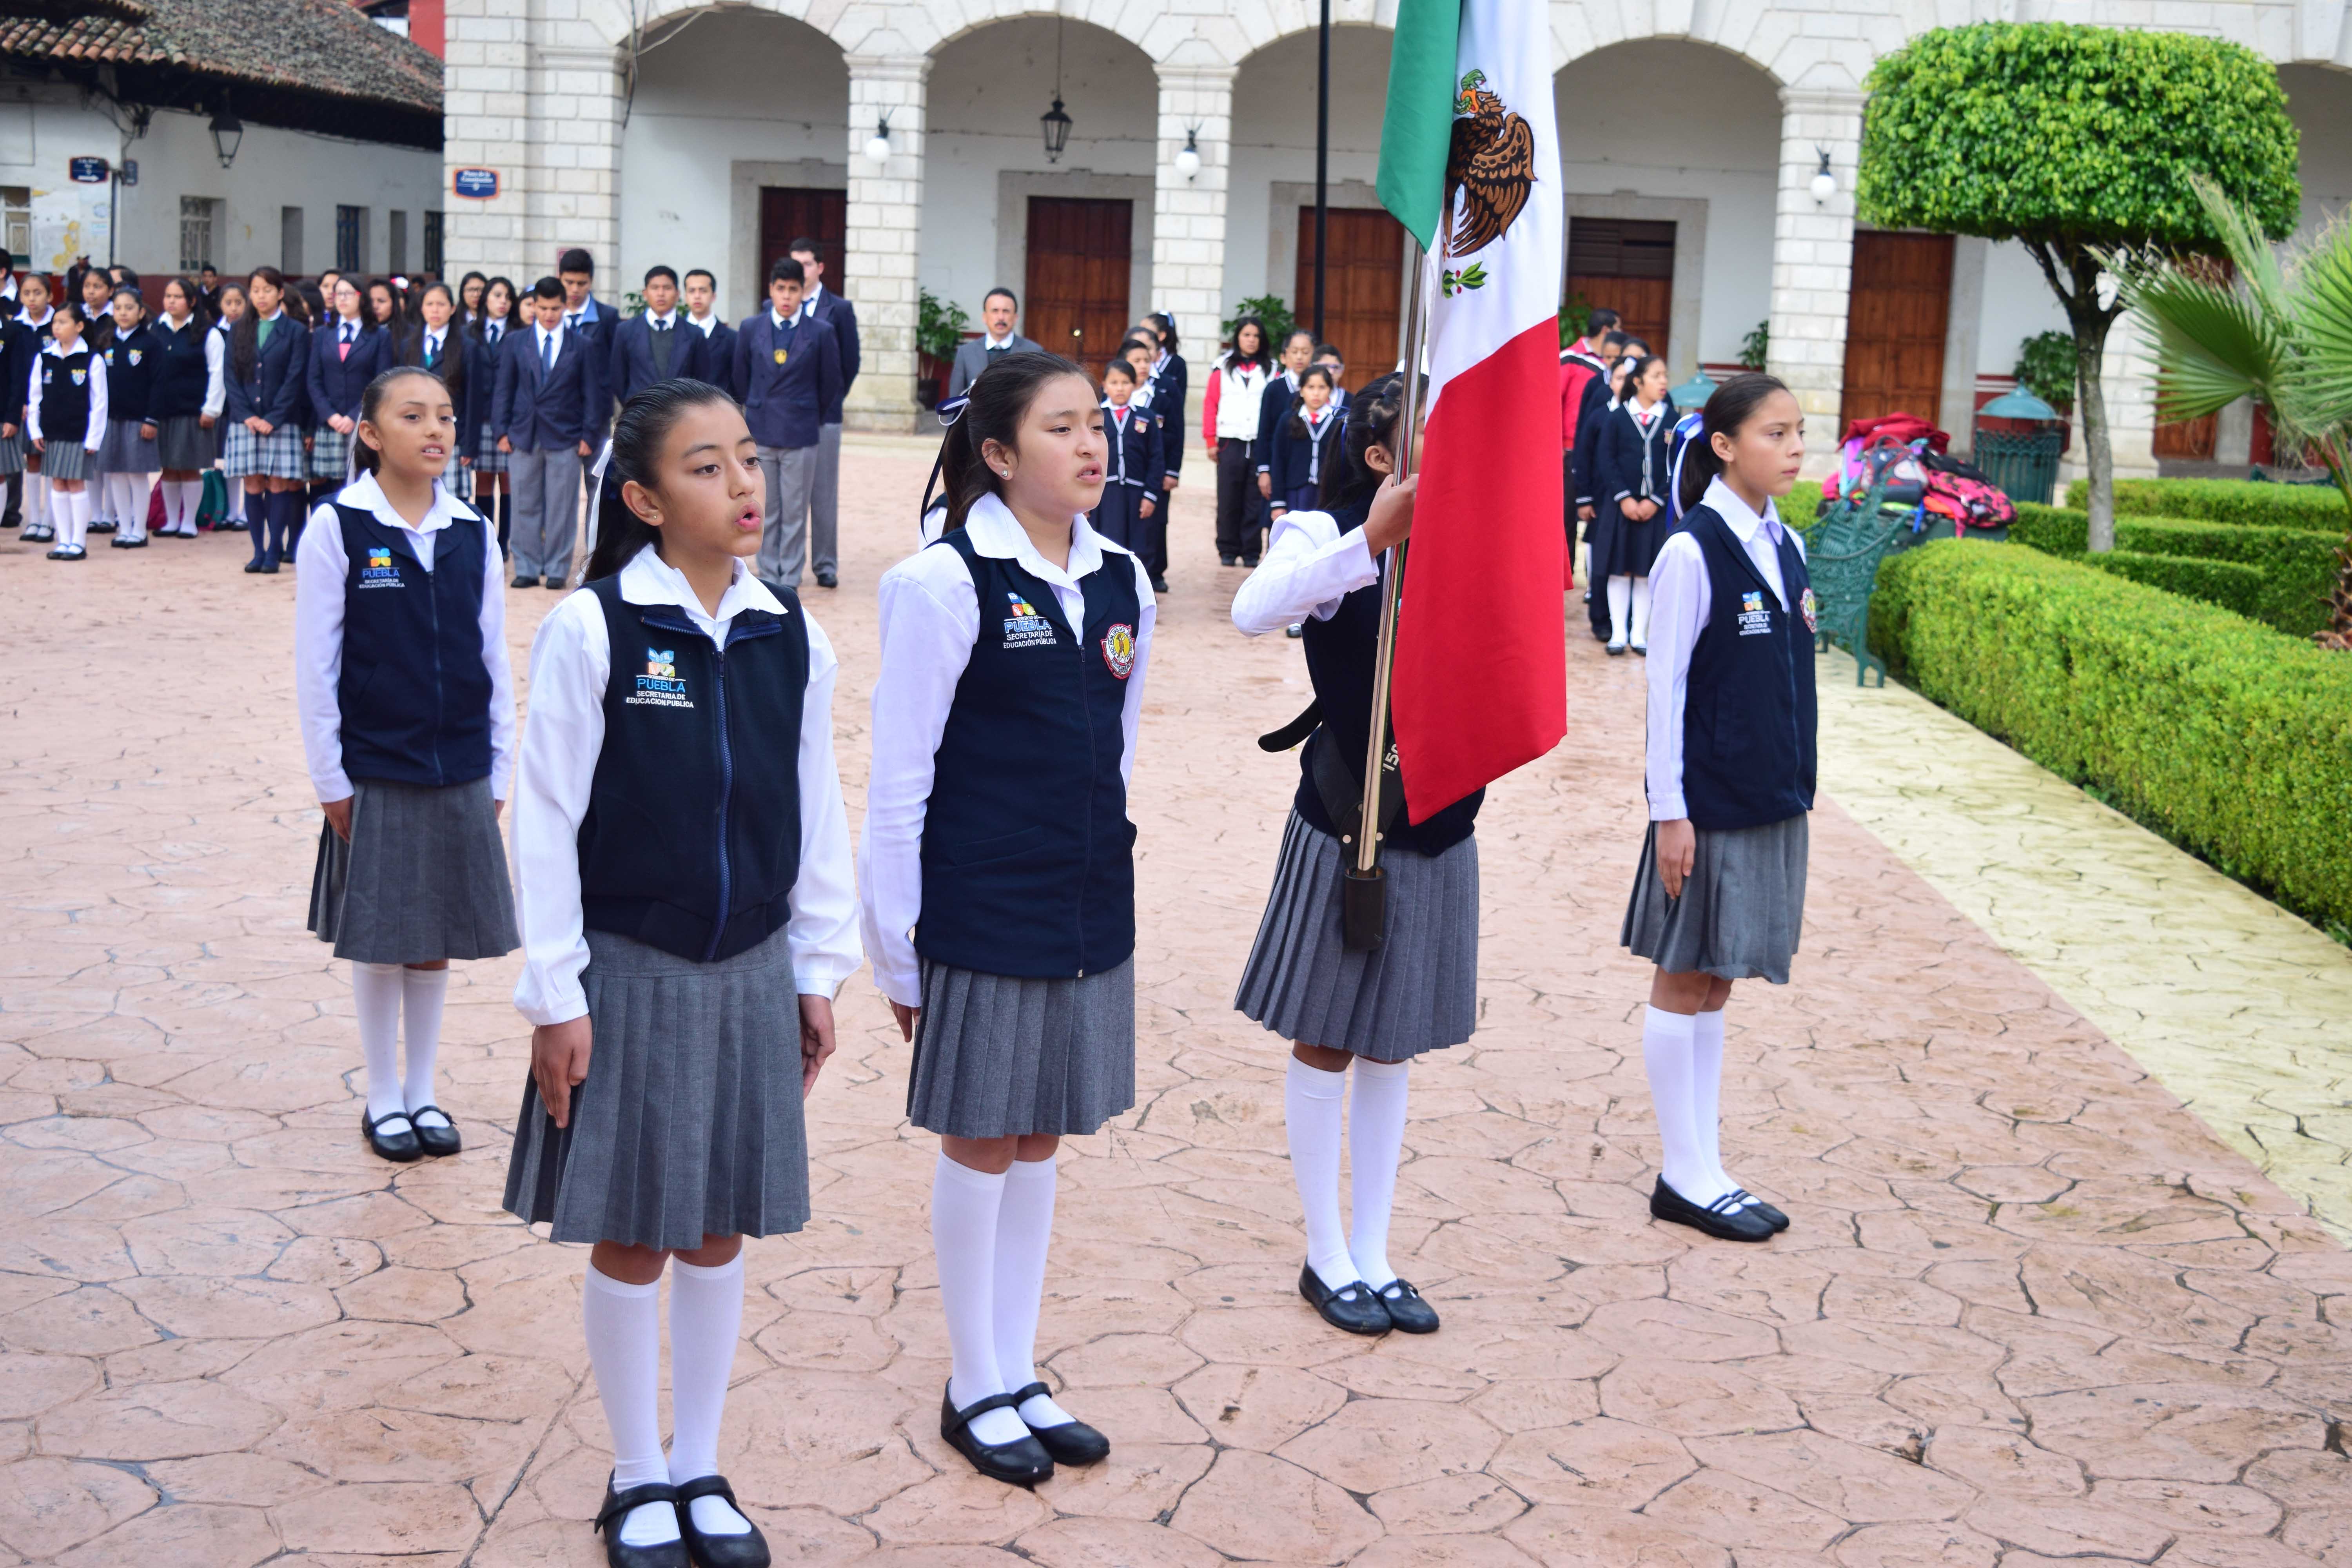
1843	550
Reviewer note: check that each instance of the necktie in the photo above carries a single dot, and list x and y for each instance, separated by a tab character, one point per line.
343	349
572	320
546	352
431	351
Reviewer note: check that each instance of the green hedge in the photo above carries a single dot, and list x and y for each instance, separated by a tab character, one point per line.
2296	566
2228	738
2242	589
2225	500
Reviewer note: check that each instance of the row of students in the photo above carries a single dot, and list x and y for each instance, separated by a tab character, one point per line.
1630	469
1251	401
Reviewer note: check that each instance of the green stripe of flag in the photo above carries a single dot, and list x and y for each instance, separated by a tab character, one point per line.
1419	126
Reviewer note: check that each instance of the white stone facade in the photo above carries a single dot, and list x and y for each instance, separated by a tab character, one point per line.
642	133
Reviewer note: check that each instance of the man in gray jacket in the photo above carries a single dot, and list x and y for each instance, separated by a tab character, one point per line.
998	313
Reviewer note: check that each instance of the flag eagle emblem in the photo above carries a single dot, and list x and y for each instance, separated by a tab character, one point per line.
1492	162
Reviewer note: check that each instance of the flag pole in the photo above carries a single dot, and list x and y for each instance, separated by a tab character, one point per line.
1364	902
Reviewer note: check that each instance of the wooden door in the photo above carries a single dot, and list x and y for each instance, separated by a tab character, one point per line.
1363	287
788	213
1895	319
1079	268
1625	265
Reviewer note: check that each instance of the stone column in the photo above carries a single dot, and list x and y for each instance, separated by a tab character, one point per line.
485	110
882	248
574	149
1813	258
1188	227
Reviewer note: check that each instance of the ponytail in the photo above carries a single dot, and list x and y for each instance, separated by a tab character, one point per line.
1732	406
998	401
634	454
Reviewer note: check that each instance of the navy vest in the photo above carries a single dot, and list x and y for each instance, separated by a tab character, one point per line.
1028	855
1748	712
180	374
130	374
414	695
1340	655
65	395
692	838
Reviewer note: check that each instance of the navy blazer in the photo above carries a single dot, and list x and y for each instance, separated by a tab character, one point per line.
631	368
1272	410
1142	460
277	390
1291	456
837	312
337	382
1591	410
599	326
537	412
469	396
1168	391
785	404
719	354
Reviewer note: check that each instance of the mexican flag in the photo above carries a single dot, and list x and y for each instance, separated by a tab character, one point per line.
1470	164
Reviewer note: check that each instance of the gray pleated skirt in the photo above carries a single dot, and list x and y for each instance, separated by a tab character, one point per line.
1417	992
689	1122
11	453
125	450
183	442
69	460
423	877
997	1056
1742	908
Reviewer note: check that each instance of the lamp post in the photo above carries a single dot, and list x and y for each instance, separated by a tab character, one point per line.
227	132
1056	120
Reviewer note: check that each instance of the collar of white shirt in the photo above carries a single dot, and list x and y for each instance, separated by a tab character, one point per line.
46	317
708	323
1003	343
553	331
1736	513
368	496
994	530
809	296
648	579
51	346
781	322
666	321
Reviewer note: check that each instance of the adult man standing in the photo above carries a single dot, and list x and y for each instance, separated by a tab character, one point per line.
547	411
822	304
998	313
787	372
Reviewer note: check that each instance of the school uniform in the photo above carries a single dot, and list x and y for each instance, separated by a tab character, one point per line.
483	339
447	354
996	830
67	409
647	348
128	457
1731	721
98	335
719	357
822	304
176	399
1230	423
550	401
1281	397
19	343
1632	464
407	711
683	857
1593	404
272	391
1131	474
344	356
1170	383
594	321
1297	460
787	375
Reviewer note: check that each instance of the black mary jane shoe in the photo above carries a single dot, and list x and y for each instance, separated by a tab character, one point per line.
1406	1308
398	1147
1069	1442
436	1141
620	1555
1761	1209
747	1549
1726	1220
1020	1463
1352	1306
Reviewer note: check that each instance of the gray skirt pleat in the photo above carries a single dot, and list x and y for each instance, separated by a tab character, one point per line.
11	453
69	460
183	442
423	877
1742	907
689	1122
1417	992
125	451
997	1056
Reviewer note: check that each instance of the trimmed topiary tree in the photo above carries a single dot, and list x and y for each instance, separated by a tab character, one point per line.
2074	141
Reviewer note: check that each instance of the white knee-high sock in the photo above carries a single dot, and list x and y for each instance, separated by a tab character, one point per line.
1375	1143
135	488
421	993
622	1325
376	993
1024	1233
706	1315
192	495
171	505
37	500
1642	611
1666	1053
75	532
965	1204
1707	1090
1312	1103
237	500
1621	594
112	488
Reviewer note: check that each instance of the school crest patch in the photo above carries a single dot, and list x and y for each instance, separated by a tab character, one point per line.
79	376
1810	606
659	686
782	354
1119	649
378	572
136	355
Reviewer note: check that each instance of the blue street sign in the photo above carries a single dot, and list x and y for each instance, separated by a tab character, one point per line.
481	184
86	170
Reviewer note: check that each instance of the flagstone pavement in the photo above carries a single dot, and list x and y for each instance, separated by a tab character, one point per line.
2031	1309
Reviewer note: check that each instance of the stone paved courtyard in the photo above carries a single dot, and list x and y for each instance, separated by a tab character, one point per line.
2031	1310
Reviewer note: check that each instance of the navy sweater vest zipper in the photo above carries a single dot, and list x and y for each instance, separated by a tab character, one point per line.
1749	713
414	694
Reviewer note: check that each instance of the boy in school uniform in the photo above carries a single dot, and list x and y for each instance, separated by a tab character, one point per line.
576	271
656	343
788	374
820	303
702	314
549	411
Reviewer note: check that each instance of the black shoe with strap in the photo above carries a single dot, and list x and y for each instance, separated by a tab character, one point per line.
1761	1209
398	1147
441	1140
1352	1306
1023	1463
1406	1308
746	1549
610	1518
1067	1442
1726	1220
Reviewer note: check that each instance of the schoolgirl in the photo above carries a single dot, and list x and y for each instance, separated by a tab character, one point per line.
1229	427
387	306
269	357
470	298
1300	442
66	418
128	456
499	315
997	871
683	859
175	405
1630	475
1170	381
1600	395
346	354
1371	1011
95	291
19	346
439	346
42	519
233	305
408	725
1720	894
1151	544
1281	397
1131	468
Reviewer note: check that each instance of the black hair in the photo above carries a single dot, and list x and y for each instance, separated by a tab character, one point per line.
244	338
547	288
816	250
658	270
366	459
1117	366
1600	321
1295	334
1640	368
576	261
992	411
1000	289
694	272
514	302
1299	399
1331	348
1733	404
1612	340
1371	421
133	289
74	309
208	267
1167	325
189	292
473	275
452	343
1136	344
1264	358
787	270
644	425
124	275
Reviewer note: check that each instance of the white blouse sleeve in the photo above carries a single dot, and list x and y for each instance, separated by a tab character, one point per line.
562	736
500	663
822	932
33	400
1131	716
320	567
1309	566
215	380
1679	604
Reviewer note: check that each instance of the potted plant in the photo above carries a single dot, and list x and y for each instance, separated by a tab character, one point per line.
939	328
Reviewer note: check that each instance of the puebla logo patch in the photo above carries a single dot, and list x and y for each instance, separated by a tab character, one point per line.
1023	626
1119	649
379	572
658	685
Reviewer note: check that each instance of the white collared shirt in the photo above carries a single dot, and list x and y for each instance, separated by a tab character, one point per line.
549	346
95	437
1681	600
664	320
322	569
1309	567
570	661
781	322
433	338
930	617
808	299
1003	343
708	323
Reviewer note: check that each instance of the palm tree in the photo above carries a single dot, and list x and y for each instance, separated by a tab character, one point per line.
2282	334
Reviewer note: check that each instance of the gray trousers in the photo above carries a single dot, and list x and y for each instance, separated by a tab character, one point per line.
783	543
546	511
824	502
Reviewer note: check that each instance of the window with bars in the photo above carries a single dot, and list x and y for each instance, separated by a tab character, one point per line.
350	238
199	229
433	243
